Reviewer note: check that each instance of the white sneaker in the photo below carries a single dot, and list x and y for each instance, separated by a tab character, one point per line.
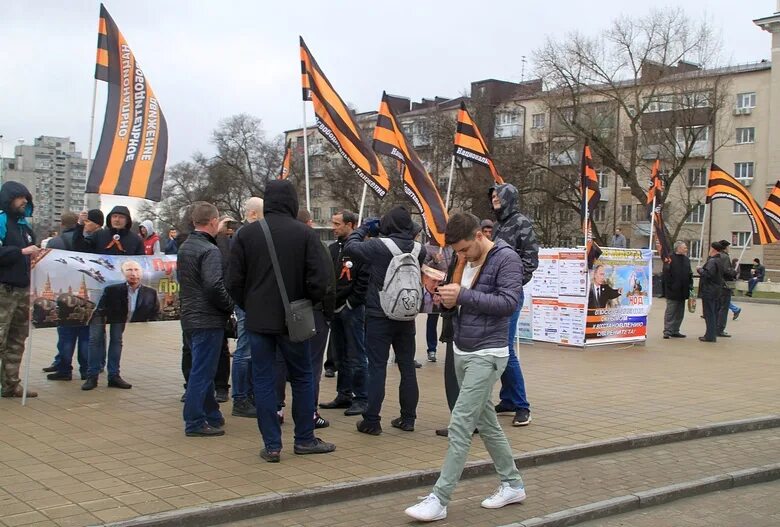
428	510
504	496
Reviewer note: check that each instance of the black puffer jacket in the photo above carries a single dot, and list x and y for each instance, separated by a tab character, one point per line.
103	241
399	227
515	229
14	266
251	279
205	303
678	278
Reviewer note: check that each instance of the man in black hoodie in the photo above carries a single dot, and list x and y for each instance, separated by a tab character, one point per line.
253	286
117	238
17	246
382	332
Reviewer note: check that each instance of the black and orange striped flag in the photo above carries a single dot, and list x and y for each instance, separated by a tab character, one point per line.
722	185
589	185
661	237
390	140
133	149
772	206
335	122
470	146
284	173
656	184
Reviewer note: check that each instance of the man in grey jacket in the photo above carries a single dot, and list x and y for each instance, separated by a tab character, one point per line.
486	297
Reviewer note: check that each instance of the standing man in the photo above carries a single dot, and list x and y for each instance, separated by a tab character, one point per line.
397	232
678	285
172	246
711	287
486	298
150	238
253	286
618	240
205	308
518	231
729	278
757	275
243	396
347	331
116	239
17	247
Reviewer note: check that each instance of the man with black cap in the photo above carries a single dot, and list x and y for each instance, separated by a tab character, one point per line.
116	238
711	287
17	247
397	232
729	275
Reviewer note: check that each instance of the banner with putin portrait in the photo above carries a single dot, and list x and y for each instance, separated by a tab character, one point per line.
69	288
619	296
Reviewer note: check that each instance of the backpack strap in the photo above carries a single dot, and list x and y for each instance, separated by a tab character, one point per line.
391	246
416	250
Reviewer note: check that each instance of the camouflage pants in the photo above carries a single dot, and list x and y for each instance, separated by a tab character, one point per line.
14	319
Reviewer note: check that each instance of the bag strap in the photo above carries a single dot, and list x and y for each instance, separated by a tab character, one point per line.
275	261
391	246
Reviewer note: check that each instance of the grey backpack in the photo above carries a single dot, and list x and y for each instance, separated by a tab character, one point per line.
401	294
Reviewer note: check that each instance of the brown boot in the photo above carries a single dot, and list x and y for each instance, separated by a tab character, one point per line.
17	392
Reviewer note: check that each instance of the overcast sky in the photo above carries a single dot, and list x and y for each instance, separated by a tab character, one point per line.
207	60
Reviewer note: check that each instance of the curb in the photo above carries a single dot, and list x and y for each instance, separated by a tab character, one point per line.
250	507
653	497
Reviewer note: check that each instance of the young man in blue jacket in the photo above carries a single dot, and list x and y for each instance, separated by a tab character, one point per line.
485	299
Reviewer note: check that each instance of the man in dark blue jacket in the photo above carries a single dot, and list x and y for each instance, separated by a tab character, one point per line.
381	331
17	246
485	299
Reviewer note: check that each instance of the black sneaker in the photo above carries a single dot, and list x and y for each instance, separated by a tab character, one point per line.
318	446
403	424
243	408
522	417
319	422
442	432
417	364
355	409
90	383
118	382
431	356
222	395
60	376
206	431
272	457
330	373
502	408
49	369
183	397
369	429
340	401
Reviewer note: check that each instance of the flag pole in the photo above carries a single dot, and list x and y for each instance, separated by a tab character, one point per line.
362	203
652	225
91	133
449	185
749	241
306	160
701	236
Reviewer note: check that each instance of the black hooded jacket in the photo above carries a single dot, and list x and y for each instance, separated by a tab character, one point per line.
14	266
251	279
399	227
103	242
515	229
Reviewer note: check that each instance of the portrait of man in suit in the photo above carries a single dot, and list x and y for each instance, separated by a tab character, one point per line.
130	301
601	292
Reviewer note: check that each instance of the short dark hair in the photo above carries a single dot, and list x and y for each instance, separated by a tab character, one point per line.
757	261
304	216
69	219
461	226
348	217
202	213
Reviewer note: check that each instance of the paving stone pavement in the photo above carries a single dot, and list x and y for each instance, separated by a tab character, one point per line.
74	458
556	486
751	506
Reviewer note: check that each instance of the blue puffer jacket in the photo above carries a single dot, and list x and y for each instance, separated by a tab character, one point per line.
483	318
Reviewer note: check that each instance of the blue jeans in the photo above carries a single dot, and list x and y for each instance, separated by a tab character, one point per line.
348	338
97	347
752	283
431	332
297	358
200	406
512	383
68	337
242	361
733	307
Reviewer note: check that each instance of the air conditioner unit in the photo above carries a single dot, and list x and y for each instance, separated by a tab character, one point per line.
743	111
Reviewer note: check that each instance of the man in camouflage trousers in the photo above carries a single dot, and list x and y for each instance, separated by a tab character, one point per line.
17	246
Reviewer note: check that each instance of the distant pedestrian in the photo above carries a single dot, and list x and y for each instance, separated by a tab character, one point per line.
757	275
618	239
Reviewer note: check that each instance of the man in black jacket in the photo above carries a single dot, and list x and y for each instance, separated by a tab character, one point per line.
729	277
17	247
347	331
381	331
252	284
205	309
116	238
678	283
711	285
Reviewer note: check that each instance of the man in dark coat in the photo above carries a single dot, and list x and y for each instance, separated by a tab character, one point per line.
253	285
711	285
729	278
678	284
516	230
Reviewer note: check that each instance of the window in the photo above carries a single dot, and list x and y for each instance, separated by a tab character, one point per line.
537	149
600	212
746	135
740	238
641	212
508	124
659	103
316	190
697	177
736	208
603	176
503	118
567	114
697	134
624	183
697	99
625	212
697	214
694	248
538	120
316	213
334	211
746	100
743	170
566	215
